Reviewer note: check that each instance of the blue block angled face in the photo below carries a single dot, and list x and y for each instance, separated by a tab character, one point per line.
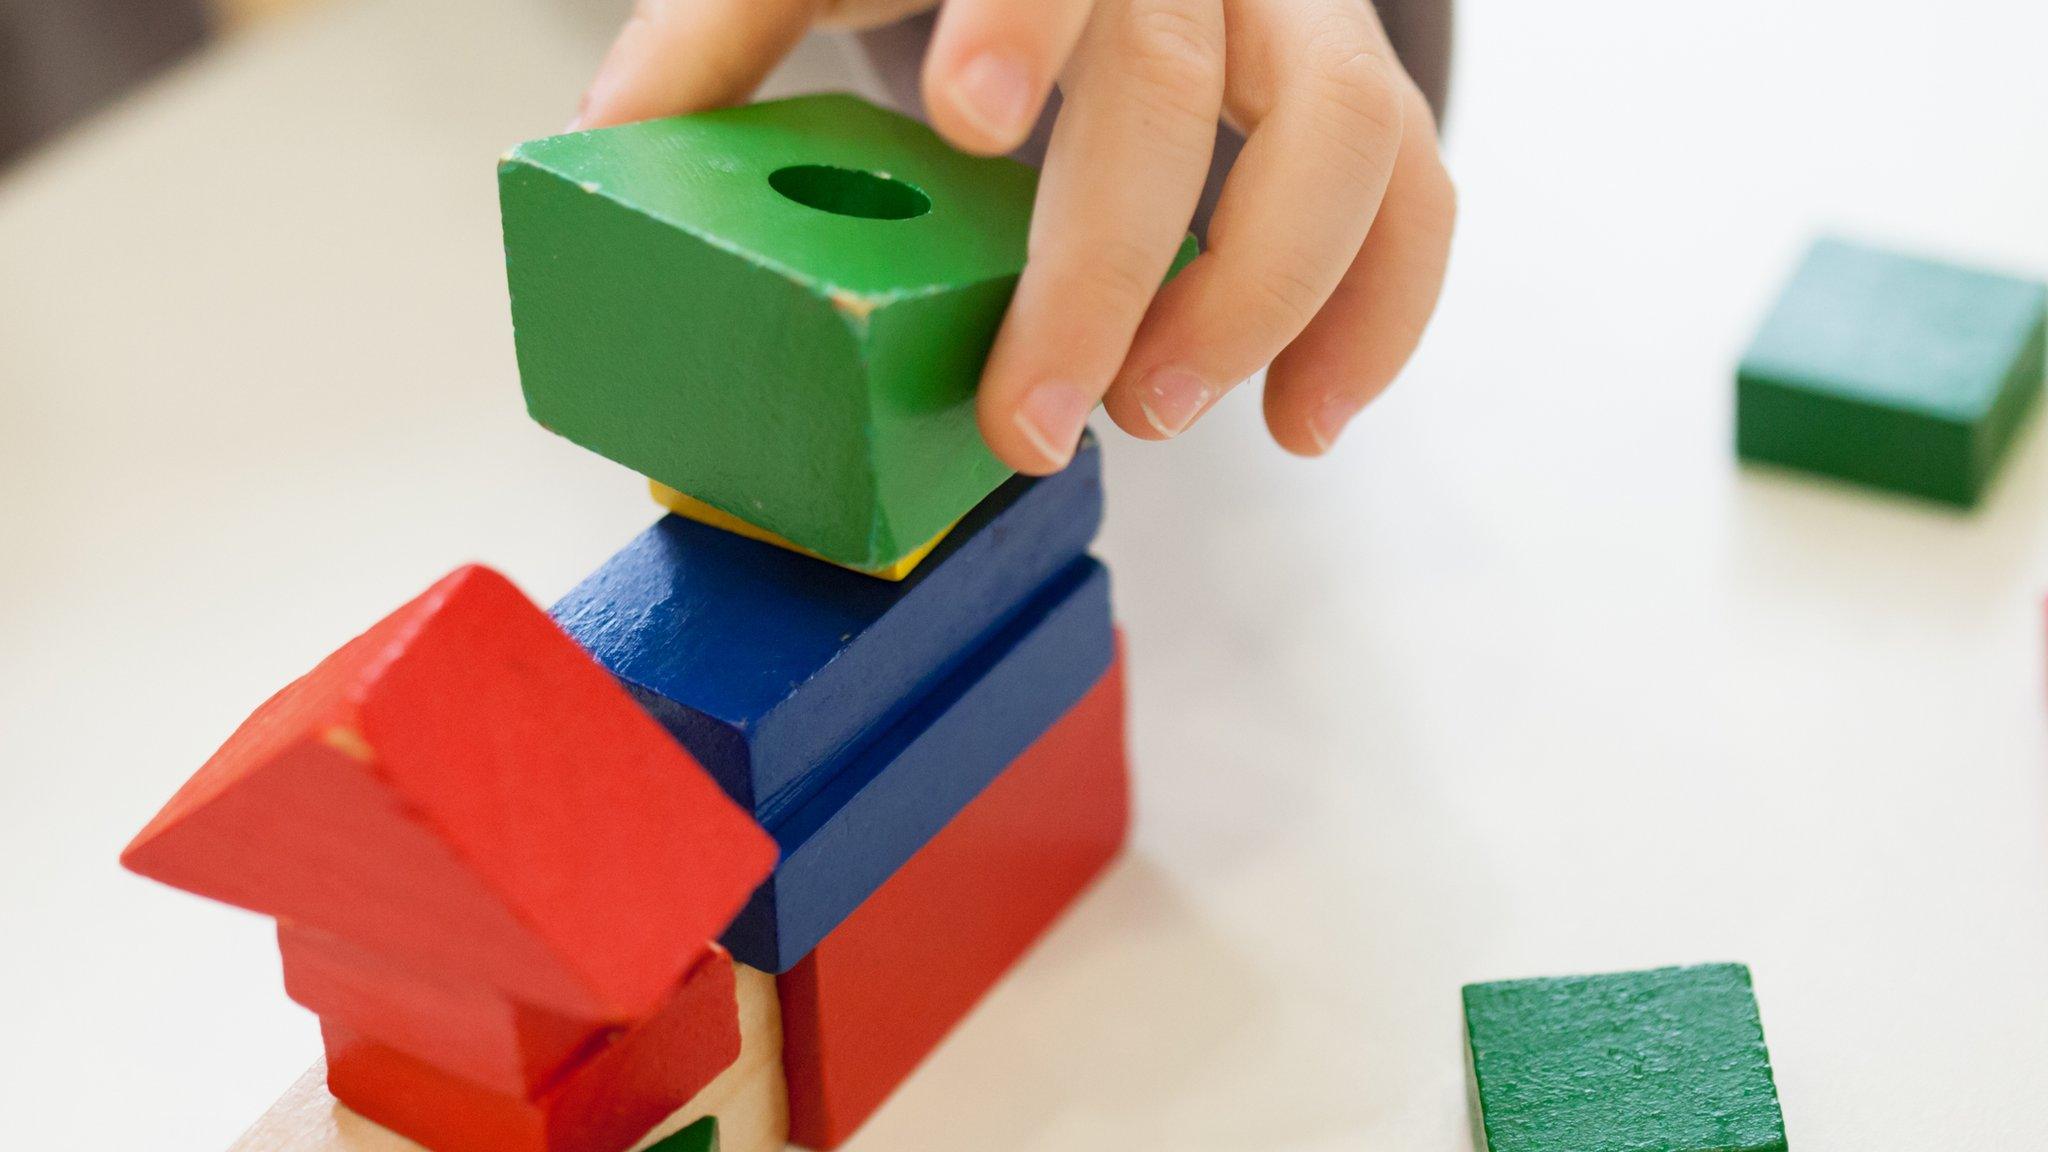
849	838
772	667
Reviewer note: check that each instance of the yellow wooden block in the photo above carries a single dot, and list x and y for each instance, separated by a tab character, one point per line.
750	1098
692	508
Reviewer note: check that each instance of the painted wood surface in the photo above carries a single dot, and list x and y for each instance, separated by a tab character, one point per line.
685	505
748	1097
461	789
1892	370
848	839
1538	515
1663	1060
772	667
780	309
601	1102
471	1031
862	1011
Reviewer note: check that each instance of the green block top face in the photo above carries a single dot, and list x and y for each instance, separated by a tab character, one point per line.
782	310
701	1136
1667	1060
1899	332
851	202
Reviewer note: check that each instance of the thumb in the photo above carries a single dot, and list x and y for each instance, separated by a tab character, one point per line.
676	56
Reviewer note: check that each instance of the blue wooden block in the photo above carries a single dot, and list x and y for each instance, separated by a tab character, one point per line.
772	667
849	838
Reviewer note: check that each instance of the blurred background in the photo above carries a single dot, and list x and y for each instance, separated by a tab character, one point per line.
1529	677
61	60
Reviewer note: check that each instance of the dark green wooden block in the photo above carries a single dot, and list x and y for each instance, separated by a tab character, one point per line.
701	1136
1894	371
781	310
1668	1060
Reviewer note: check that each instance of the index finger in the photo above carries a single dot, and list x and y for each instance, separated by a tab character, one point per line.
676	56
991	66
1128	155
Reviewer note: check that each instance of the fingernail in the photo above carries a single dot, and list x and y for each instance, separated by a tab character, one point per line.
1330	418
1171	398
1051	417
994	90
612	72
582	117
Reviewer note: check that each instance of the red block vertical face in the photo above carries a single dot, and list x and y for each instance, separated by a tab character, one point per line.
862	1011
463	790
602	1103
468	1030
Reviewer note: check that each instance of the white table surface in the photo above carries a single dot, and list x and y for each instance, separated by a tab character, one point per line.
1528	679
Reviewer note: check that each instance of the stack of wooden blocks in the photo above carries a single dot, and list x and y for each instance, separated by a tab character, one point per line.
717	851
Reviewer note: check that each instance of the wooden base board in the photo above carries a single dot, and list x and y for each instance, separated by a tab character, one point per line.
749	1098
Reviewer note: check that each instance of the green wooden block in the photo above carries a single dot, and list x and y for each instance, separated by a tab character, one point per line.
1668	1060
701	1136
1893	371
781	310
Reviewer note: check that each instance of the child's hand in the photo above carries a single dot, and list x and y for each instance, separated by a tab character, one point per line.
1326	251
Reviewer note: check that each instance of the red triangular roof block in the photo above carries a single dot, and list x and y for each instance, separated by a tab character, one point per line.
463	789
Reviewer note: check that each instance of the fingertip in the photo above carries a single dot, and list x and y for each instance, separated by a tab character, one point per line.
1013	449
618	74
673	58
1307	415
1329	418
986	103
588	109
1163	403
1130	416
1292	434
1037	433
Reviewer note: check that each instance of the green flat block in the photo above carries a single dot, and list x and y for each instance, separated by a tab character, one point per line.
1893	371
699	1137
1668	1060
781	310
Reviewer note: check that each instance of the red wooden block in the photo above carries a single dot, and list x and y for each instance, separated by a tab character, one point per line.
471	1031
863	1010
463	790
603	1103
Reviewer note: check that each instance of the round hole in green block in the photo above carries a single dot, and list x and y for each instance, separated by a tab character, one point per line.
850	192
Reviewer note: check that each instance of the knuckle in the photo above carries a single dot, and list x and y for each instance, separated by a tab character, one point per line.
1355	79
1443	186
1177	122
1418	118
1171	46
1444	195
1120	275
1359	158
1289	295
1421	166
